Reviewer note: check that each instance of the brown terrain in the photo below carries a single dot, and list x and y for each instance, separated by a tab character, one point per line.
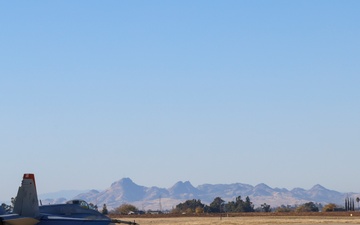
335	218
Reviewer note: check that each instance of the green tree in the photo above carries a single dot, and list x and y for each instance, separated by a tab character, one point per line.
104	210
199	210
240	205
230	207
189	206
189	211
265	207
329	207
215	205
248	206
349	204
284	208
124	209
307	207
6	208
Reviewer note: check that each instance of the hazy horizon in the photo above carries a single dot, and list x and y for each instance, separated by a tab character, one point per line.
162	91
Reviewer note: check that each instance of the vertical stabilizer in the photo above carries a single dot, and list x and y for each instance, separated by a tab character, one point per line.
26	203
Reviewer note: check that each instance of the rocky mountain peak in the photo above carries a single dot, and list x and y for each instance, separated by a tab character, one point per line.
123	182
262	186
262	190
317	187
184	189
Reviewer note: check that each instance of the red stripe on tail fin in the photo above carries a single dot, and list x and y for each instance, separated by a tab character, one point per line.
30	176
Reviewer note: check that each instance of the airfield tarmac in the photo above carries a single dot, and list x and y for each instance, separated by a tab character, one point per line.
248	220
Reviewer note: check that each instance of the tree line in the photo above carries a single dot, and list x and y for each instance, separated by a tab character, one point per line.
218	205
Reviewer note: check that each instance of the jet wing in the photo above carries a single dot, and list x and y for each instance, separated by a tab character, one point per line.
13	219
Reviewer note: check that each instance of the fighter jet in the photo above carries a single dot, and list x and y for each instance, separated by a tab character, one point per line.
28	212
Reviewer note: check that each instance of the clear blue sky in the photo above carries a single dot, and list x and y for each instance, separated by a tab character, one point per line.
166	91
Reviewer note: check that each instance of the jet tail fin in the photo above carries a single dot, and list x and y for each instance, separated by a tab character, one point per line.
26	203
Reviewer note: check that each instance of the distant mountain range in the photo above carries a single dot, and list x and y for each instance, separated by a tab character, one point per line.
155	198
66	194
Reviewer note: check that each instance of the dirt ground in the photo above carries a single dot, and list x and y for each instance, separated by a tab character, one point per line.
332	219
243	221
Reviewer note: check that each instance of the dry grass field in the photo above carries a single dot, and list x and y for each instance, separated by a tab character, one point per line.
249	220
